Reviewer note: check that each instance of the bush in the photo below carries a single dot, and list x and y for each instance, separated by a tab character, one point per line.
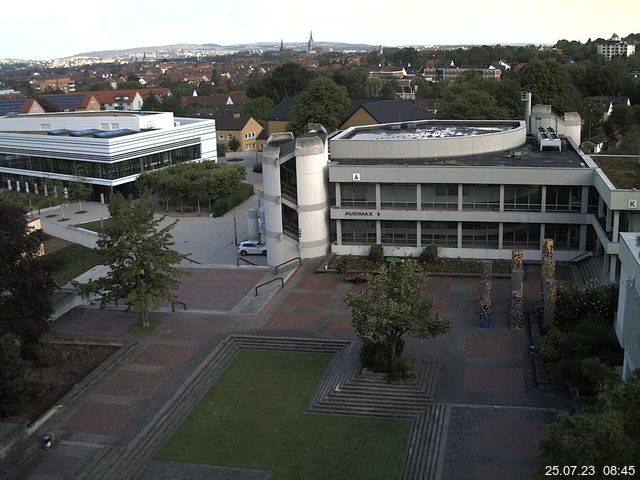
550	345
40	354
223	205
376	253
595	300
13	384
429	254
375	356
257	168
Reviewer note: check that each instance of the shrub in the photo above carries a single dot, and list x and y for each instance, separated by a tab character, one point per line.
39	353
376	253
257	168
550	345
223	205
429	254
375	356
13	385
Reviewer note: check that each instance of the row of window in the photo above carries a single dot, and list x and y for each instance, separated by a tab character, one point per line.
109	171
474	197
474	235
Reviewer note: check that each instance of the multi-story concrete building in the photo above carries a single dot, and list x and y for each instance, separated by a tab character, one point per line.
475	189
627	321
108	150
615	47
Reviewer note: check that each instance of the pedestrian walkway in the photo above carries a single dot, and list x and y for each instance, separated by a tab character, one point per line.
490	418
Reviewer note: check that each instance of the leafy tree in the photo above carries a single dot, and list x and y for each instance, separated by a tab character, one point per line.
259	108
234	144
25	282
323	102
286	80
607	433
140	258
354	79
462	101
549	84
391	305
13	384
81	190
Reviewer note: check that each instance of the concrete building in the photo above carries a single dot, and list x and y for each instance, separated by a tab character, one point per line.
107	150
627	321
475	189
615	47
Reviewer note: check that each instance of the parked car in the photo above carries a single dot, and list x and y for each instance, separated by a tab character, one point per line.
252	247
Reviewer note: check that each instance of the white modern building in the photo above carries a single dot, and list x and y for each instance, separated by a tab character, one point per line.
627	322
615	47
108	150
475	189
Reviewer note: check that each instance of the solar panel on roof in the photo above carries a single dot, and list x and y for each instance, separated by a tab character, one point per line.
66	102
84	133
11	105
114	133
58	131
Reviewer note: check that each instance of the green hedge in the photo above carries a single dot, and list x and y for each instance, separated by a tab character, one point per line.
223	205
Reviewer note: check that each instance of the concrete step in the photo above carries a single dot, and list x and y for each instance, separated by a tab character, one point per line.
346	398
364	411
366	392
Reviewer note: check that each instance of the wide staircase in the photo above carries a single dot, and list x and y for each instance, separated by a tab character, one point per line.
369	393
588	270
345	389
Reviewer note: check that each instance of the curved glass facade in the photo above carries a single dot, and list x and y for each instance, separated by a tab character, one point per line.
103	170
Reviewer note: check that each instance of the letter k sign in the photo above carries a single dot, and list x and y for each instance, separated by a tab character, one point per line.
356	177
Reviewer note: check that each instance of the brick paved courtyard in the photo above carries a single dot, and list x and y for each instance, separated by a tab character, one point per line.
497	413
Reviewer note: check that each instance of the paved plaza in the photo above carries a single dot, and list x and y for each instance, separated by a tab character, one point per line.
497	414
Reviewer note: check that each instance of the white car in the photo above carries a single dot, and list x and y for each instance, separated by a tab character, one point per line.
252	247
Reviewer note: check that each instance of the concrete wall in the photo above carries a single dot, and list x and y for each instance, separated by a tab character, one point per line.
627	321
342	147
272	195
312	176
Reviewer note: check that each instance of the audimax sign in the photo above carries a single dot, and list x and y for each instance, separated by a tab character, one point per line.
360	213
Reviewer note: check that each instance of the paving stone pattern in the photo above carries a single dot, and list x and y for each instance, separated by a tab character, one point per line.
484	422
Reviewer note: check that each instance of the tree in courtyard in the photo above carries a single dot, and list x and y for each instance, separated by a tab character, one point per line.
138	252
26	286
81	190
13	384
604	434
391	305
234	144
323	101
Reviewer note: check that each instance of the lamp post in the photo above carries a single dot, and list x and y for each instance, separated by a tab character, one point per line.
235	228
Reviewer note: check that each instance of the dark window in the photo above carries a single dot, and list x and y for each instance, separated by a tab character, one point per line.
522	198
358	195
442	234
440	196
565	237
358	232
480	235
400	195
481	197
563	199
399	233
521	235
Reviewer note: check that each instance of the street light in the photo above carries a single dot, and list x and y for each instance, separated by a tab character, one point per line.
235	228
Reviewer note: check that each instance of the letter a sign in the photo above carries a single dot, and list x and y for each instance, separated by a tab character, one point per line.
356	177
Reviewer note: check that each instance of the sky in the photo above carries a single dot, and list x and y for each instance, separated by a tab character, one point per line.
46	30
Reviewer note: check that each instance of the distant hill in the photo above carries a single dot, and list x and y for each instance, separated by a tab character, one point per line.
326	46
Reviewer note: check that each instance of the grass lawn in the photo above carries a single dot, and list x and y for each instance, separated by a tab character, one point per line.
94	226
253	417
69	259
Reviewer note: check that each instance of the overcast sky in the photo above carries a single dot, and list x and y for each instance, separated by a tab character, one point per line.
44	30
